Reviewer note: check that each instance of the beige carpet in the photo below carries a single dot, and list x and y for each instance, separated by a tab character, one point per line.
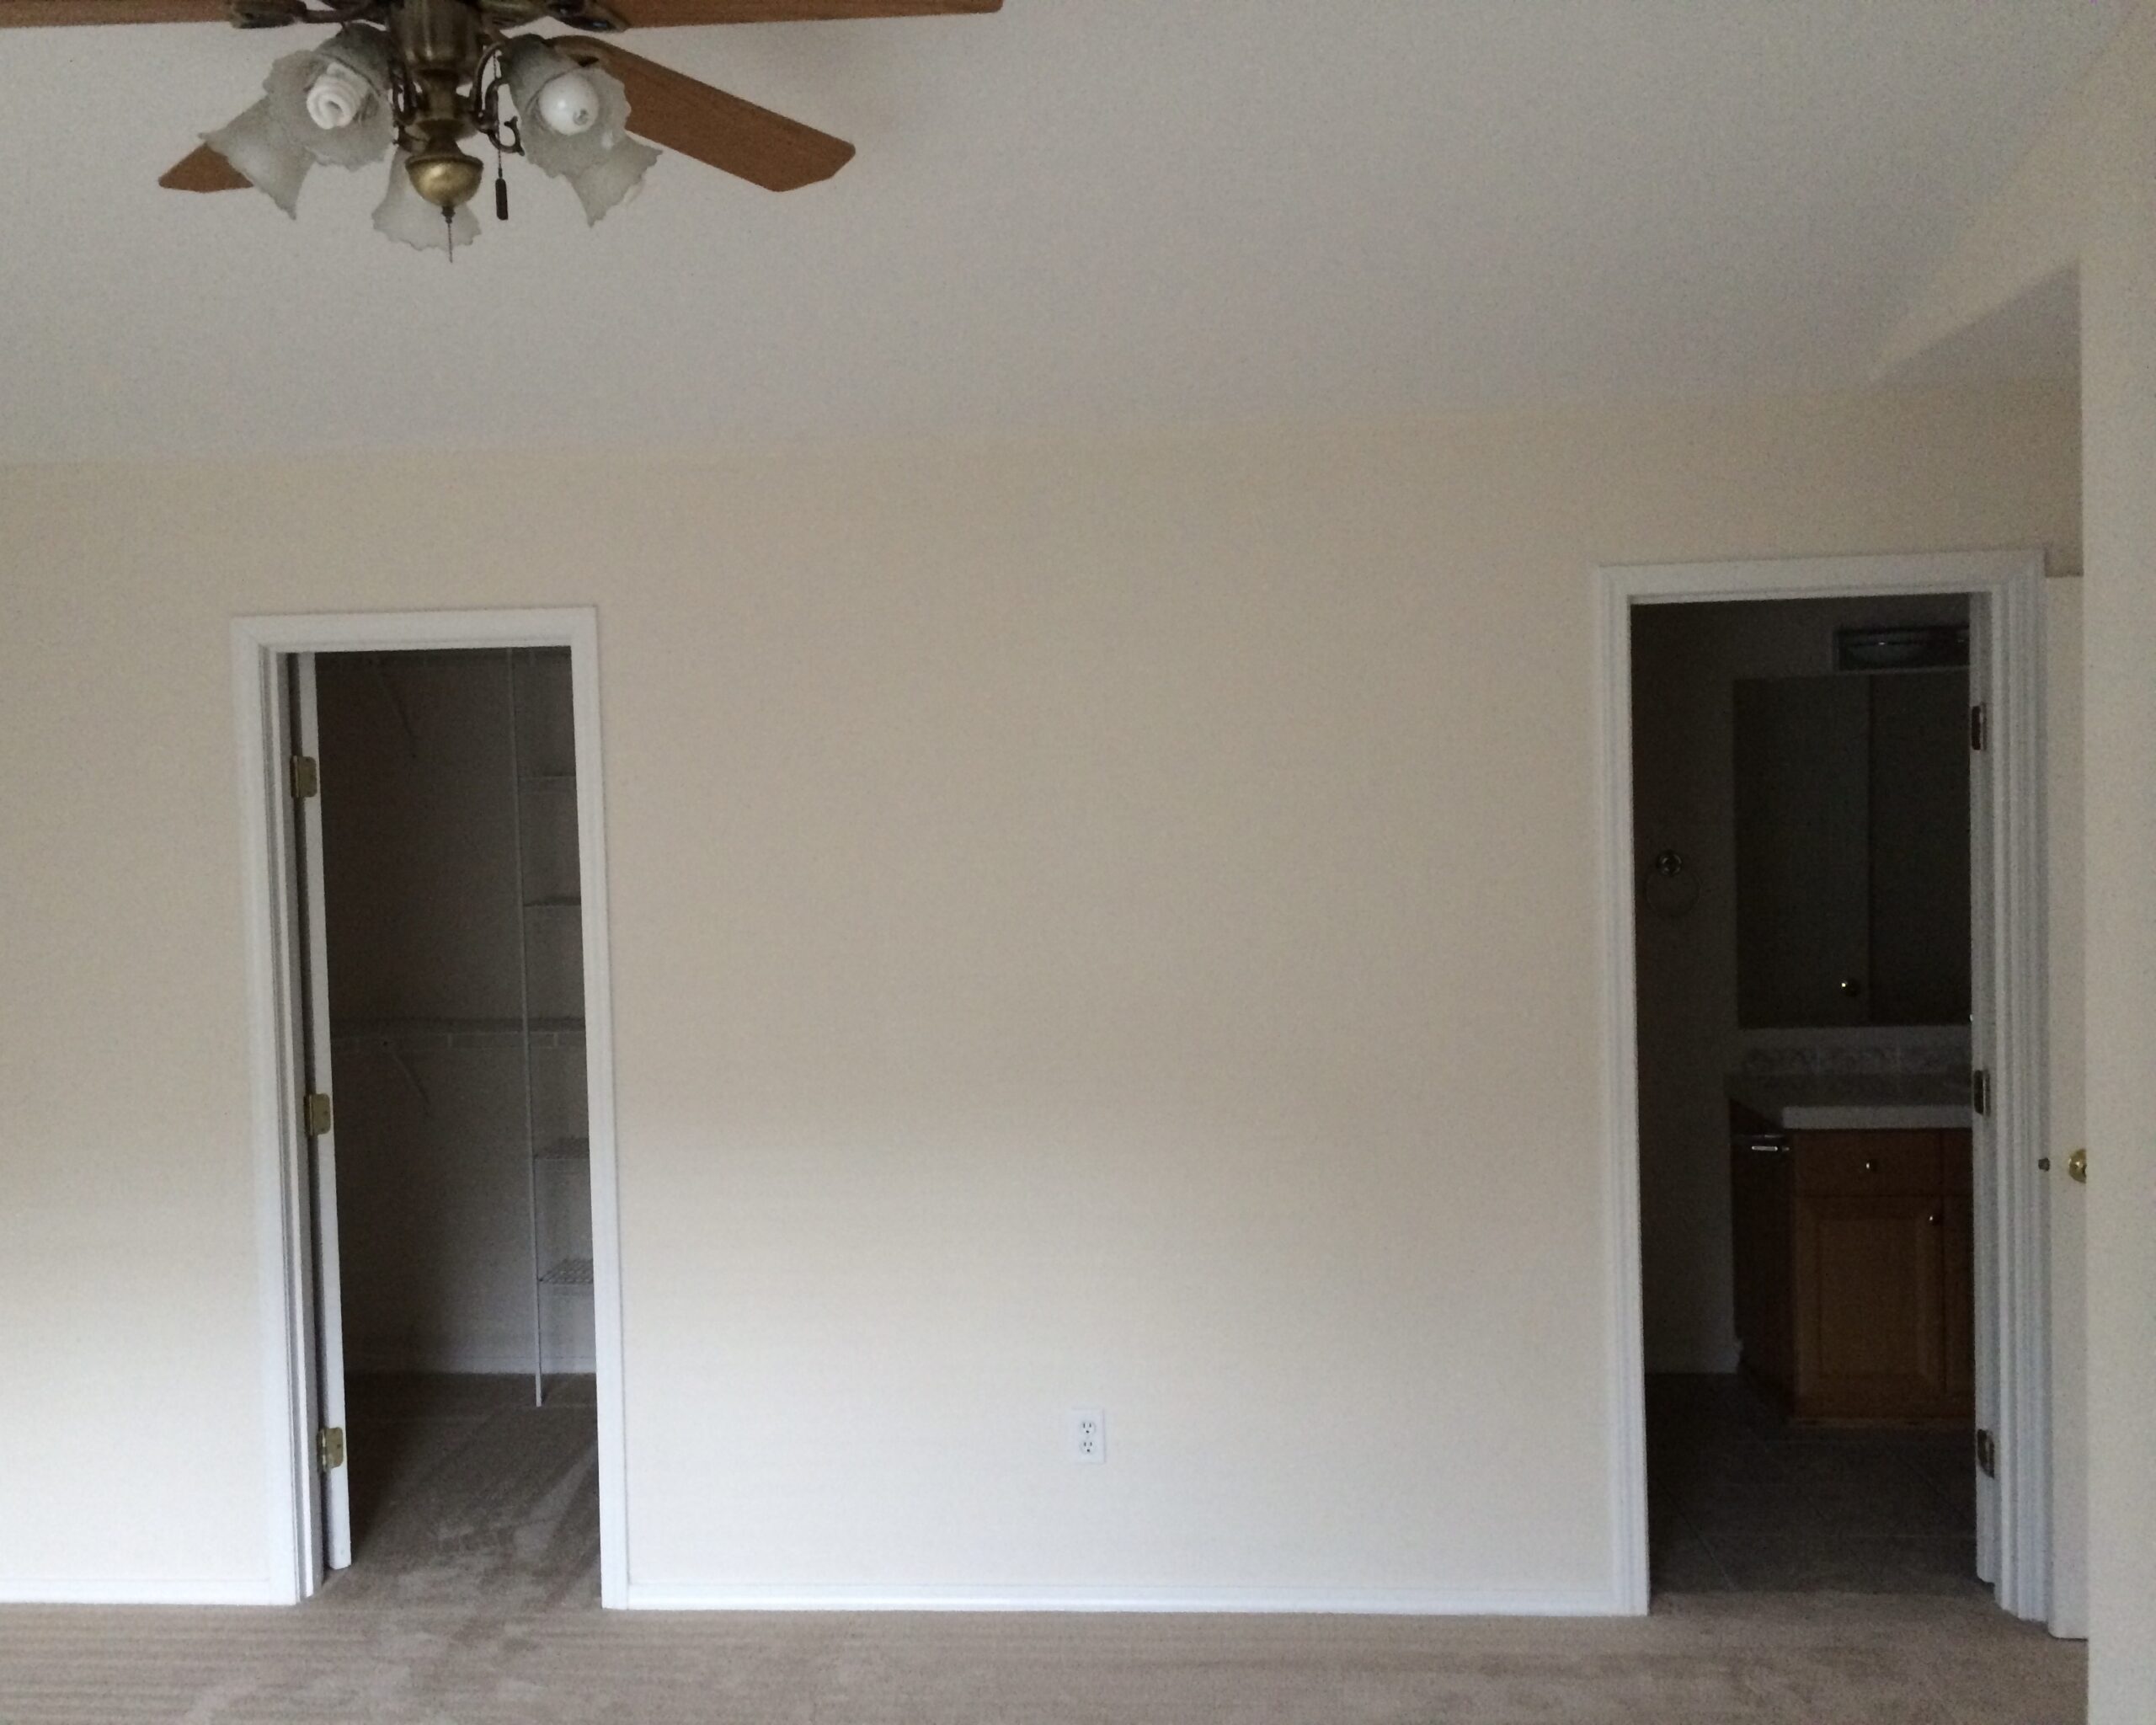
1812	1659
474	1600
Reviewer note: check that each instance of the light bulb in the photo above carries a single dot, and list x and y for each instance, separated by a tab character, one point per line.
335	98
333	101
569	116
569	104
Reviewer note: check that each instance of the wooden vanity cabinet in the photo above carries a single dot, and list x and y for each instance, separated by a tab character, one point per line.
1852	1260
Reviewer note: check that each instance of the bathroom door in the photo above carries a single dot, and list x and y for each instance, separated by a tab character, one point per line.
1983	1057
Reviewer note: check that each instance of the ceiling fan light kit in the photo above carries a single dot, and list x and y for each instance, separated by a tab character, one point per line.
566	117
415	80
615	178
333	99
264	153
404	216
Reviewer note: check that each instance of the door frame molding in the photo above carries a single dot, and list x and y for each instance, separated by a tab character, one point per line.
260	646
2006	590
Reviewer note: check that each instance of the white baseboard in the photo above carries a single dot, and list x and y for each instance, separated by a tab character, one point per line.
106	1590
692	1596
1390	1602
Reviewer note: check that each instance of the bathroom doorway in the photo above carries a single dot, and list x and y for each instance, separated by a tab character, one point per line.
1840	1351
1801	793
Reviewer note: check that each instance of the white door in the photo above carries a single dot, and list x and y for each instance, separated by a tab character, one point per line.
1984	1055
332	1451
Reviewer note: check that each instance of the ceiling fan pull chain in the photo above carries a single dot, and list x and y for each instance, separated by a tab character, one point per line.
501	188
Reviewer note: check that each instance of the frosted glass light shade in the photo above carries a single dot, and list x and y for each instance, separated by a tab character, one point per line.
404	215
353	65
264	154
531	67
615	179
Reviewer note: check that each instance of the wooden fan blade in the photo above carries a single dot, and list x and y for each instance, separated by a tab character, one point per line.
674	110
651	14
648	13
19	13
202	169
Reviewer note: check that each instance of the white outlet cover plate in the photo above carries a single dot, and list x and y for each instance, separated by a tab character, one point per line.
1086	1435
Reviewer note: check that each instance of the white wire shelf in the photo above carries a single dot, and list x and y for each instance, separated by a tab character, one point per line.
439	1035
569	1272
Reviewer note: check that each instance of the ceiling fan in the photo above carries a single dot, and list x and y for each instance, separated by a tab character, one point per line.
413	79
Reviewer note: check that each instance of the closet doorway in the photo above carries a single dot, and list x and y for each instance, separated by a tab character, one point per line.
429	896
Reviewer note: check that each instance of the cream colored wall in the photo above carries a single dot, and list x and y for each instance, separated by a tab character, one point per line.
1685	661
2118	365
1098	922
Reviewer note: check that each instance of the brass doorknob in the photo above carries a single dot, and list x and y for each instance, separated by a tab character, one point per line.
2077	1166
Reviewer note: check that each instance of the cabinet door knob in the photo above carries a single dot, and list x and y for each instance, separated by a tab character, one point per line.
1933	1218
2077	1166
1851	986
1870	1165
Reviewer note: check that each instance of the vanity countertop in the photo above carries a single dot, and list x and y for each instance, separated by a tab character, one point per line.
1855	1102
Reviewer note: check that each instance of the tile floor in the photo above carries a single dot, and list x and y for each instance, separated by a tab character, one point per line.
1739	1500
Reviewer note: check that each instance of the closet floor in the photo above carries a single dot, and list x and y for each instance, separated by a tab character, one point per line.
460	1485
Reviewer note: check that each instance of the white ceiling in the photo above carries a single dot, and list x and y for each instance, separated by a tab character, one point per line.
1075	213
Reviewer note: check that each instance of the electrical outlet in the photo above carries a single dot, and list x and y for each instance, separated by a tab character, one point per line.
1086	1435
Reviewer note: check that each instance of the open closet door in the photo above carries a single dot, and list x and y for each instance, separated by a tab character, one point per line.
320	1121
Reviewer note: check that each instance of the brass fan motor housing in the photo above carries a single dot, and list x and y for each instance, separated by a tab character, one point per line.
440	43
446	178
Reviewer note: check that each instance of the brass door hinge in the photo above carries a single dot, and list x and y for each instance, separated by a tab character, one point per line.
1979	1091
329	1447
306	777
1987	1456
1977	729
319	1117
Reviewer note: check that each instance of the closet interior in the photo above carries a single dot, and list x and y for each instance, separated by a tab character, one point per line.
455	953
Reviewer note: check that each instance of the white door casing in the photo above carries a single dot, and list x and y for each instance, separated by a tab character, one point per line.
2012	1204
2069	1286
278	984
